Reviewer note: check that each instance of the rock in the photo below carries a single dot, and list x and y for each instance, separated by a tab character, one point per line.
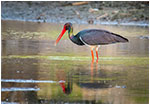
93	10
102	16
115	12
80	3
77	13
134	19
144	37
90	21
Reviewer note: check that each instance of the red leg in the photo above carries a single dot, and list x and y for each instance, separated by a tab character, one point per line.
97	56
92	54
96	49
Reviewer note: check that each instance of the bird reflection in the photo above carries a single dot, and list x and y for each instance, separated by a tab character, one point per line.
66	87
93	70
65	82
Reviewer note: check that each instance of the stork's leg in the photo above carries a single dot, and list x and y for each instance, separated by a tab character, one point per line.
96	49
92	54
97	55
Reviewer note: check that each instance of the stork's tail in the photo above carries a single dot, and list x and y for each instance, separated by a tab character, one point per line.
120	38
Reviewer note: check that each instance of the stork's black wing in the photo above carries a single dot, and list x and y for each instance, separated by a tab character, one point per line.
100	37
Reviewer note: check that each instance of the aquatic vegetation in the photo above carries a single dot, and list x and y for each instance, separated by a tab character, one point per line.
103	60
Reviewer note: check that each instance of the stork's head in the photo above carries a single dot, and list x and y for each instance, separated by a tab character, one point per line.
67	26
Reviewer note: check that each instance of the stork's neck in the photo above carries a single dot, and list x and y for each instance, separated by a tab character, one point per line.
74	38
70	33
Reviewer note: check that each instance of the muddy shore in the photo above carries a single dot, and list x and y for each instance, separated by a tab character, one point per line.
91	12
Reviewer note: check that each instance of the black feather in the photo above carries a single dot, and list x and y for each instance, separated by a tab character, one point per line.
100	37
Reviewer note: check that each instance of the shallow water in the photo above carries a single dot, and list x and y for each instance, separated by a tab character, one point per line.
36	71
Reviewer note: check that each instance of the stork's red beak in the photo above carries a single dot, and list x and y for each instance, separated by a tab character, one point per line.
59	37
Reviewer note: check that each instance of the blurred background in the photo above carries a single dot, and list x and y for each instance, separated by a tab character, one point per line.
87	12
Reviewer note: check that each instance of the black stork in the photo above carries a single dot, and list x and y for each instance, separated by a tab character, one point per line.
91	37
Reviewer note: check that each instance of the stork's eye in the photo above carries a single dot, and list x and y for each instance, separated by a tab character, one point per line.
67	26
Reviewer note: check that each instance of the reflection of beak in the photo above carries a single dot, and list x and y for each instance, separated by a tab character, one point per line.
59	37
63	87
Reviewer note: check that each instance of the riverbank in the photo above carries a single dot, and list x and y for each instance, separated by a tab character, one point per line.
96	12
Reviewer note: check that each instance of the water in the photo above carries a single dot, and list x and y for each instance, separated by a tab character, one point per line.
36	71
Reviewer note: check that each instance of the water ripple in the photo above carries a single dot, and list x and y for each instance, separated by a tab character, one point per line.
4	102
19	89
27	81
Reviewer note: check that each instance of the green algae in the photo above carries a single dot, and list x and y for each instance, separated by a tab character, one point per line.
102	60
